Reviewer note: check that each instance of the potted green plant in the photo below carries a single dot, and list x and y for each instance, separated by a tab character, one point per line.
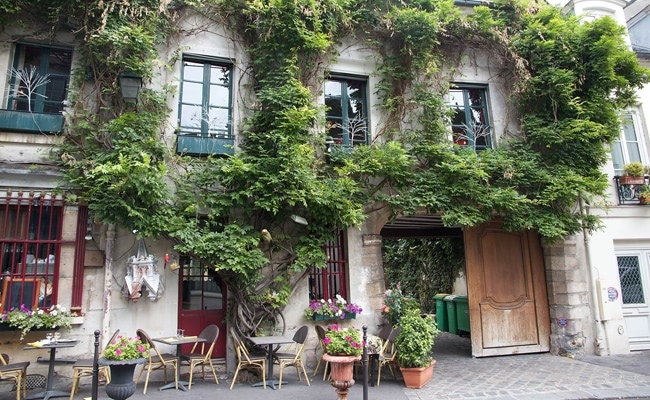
414	343
633	174
643	193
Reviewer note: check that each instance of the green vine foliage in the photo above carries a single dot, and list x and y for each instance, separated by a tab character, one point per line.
568	82
423	267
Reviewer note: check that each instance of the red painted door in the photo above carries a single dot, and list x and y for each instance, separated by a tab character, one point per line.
202	302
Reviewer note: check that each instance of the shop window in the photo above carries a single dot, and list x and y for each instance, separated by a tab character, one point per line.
30	246
326	283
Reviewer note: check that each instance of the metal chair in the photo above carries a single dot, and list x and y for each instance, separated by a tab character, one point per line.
388	355
244	359
294	359
16	372
156	360
203	357
320	332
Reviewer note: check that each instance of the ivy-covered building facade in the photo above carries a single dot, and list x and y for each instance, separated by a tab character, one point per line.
271	147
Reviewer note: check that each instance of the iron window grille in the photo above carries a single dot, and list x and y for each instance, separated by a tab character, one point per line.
326	283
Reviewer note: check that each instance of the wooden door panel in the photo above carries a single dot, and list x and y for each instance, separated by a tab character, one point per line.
510	327
507	291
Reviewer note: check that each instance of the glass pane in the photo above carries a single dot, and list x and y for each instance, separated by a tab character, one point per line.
633	152
220	75
192	93
59	62
193	71
478	116
617	157
191	117
458	118
475	97
628	129
219	96
334	107
55	90
456	98
631	284
333	88
218	119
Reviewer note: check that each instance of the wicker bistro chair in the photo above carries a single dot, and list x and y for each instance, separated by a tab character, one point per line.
16	372
294	359
244	359
156	360
320	332
84	367
388	355
203	357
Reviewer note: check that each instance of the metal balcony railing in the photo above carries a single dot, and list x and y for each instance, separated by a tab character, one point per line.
628	190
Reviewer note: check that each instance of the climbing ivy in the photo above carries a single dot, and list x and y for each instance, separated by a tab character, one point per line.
566	80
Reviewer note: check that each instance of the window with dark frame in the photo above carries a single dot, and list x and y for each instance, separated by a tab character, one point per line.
470	121
50	65
30	247
630	277
326	283
201	286
347	110
205	105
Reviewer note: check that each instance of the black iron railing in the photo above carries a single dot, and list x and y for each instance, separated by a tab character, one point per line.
628	188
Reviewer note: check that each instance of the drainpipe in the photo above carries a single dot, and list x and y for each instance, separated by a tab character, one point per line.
600	339
108	282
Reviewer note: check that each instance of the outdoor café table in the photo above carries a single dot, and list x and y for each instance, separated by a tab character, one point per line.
178	342
269	341
49	393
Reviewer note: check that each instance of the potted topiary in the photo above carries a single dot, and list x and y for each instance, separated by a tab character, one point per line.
414	344
633	174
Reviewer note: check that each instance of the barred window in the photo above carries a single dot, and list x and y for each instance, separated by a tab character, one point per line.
326	283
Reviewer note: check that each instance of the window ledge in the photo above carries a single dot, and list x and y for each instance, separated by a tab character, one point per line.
32	122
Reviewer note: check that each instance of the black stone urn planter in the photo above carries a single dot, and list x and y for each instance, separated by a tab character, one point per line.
121	386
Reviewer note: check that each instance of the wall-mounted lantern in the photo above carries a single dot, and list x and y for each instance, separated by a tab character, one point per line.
130	85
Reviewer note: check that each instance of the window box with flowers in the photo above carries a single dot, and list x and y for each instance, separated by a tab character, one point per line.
324	310
27	320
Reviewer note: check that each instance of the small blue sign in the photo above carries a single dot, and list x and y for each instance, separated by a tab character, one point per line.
612	293
563	322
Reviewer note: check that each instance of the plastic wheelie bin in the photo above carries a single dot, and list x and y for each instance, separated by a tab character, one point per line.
441	312
462	314
451	314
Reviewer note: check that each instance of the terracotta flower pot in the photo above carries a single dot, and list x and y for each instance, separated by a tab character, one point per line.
342	372
416	378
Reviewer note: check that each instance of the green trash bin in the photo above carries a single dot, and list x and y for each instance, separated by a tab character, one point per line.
462	314
451	314
441	312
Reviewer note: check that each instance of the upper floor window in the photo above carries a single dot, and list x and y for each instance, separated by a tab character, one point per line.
627	147
205	112
205	99
30	247
39	78
347	110
470	122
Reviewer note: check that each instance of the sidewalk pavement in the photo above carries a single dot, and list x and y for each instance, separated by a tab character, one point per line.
456	376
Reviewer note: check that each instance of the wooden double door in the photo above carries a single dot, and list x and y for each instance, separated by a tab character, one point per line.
508	303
